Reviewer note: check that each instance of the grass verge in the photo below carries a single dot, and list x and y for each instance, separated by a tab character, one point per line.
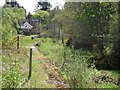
75	69
15	67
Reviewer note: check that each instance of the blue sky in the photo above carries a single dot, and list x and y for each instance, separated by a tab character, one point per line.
29	5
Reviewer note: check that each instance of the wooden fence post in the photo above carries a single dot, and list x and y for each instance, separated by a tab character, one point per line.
30	64
17	42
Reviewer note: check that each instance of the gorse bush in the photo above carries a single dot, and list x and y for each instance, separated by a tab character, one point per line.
100	61
9	44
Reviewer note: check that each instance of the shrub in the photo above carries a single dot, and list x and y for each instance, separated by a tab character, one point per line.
68	41
9	44
100	61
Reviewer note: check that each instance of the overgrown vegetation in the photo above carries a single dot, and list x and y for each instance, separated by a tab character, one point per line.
91	26
14	67
84	42
12	74
75	69
11	20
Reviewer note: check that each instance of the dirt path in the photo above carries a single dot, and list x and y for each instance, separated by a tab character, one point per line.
54	76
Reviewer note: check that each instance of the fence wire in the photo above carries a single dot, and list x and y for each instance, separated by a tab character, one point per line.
24	47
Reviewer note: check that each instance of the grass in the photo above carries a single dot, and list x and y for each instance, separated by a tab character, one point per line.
75	69
14	63
38	76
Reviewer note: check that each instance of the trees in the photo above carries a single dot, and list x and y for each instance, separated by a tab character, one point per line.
44	15
43	5
11	20
115	35
91	26
44	20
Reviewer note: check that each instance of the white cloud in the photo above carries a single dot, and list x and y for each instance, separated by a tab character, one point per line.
29	5
2	2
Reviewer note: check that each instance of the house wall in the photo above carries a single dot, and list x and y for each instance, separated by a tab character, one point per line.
26	31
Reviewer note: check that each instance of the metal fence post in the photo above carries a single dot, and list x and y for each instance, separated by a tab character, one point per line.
30	64
17	42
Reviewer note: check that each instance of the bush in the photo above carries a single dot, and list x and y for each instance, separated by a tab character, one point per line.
9	44
11	20
100	61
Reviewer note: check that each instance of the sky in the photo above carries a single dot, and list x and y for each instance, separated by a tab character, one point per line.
29	5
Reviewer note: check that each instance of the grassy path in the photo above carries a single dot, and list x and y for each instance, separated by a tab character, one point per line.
38	77
44	73
55	77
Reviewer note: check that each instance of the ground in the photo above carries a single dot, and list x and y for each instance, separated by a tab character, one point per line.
45	65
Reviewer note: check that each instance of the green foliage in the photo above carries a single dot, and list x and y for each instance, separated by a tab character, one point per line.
14	65
75	69
35	16
90	24
44	16
87	23
11	20
12	78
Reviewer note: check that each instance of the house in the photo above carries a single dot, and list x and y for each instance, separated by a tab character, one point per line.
29	19
26	27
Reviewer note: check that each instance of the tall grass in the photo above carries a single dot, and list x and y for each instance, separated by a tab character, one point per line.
75	69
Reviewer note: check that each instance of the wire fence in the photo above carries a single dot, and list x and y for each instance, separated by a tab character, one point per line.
22	45
15	53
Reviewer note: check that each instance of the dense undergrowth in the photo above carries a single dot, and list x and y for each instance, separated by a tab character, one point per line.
75	69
